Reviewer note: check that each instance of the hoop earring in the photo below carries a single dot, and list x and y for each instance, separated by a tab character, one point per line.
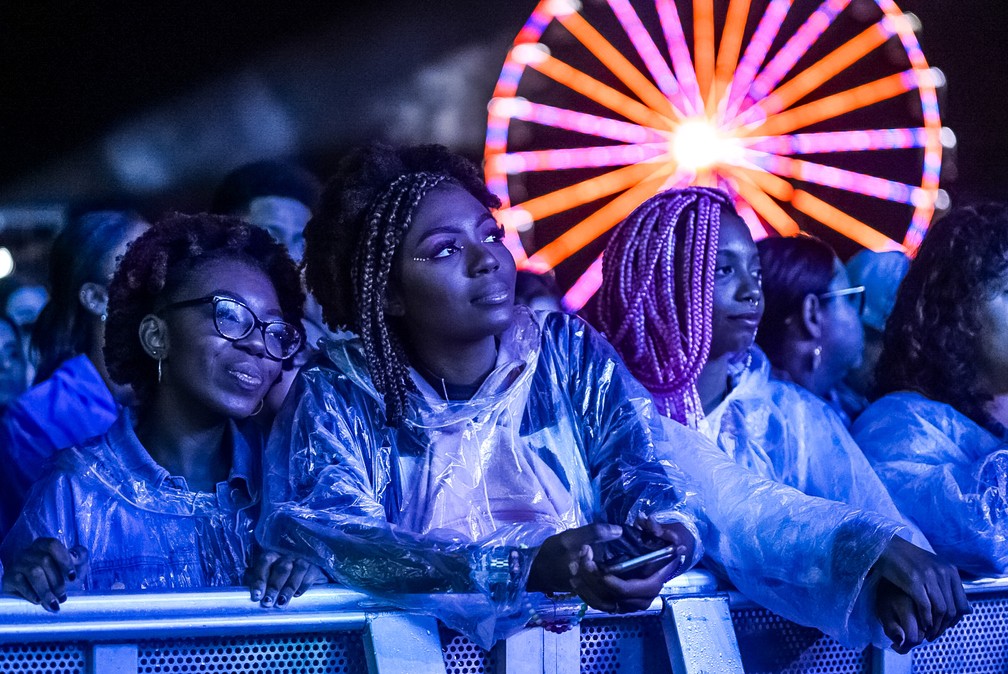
816	358
258	409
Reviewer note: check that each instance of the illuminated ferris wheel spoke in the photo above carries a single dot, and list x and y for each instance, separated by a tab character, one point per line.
755	54
682	62
581	122
731	46
618	64
765	206
816	75
596	224
849	226
648	50
834	106
580	157
703	48
583	192
588	86
830	176
839	141
584	287
799	43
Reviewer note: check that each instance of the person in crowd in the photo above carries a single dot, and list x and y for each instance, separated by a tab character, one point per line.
13	379
73	397
881	275
452	455
937	437
811	328
278	196
681	300
201	312
538	292
23	306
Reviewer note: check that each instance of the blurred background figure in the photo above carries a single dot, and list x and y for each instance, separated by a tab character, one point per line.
811	328
881	275
13	377
539	292
23	307
73	397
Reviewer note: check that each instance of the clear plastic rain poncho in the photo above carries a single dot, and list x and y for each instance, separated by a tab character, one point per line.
947	473
805	558
143	527
444	514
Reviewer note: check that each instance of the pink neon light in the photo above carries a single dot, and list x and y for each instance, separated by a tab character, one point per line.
830	176
581	157
582	122
795	48
584	287
668	15
755	53
839	141
648	51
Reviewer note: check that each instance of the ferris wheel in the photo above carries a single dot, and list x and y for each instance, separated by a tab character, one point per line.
817	111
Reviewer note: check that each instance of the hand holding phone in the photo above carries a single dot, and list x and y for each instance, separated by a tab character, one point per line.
662	556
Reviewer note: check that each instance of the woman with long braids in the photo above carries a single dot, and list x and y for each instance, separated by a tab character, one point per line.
938	435
453	455
680	300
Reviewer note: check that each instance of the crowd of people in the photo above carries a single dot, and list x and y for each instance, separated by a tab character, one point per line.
353	384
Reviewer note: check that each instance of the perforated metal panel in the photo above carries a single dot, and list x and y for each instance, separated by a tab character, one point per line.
43	658
335	653
772	645
609	646
977	645
462	656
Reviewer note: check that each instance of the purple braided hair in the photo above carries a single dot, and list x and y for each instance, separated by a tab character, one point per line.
656	300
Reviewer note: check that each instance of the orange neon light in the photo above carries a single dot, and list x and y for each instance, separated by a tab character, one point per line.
849	226
830	65
598	223
590	87
833	106
703	46
617	63
731	46
587	190
767	208
775	186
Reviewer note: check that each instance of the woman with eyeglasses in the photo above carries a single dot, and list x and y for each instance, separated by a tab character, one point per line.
681	299
811	329
202	311
938	436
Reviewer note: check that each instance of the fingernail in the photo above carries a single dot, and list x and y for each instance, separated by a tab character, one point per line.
62	598
267	601
256	595
281	600
72	575
573	568
73	553
54	605
615	530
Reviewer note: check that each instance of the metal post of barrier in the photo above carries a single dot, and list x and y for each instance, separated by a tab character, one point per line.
699	636
397	643
887	661
114	659
537	651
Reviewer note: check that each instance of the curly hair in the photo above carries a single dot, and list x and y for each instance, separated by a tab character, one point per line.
351	242
656	300
794	267
931	337
159	261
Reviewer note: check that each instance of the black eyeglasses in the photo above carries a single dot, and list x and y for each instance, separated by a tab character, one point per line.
855	294
235	321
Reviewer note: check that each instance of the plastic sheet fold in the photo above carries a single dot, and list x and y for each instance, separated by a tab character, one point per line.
445	514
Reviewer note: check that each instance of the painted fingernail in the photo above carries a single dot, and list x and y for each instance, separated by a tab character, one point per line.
281	600
267	600
54	605
72	574
73	554
256	595
62	598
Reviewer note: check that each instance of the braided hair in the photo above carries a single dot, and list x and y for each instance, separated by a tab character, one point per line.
656	300
351	243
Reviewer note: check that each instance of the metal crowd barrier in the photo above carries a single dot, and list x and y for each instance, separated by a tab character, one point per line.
691	629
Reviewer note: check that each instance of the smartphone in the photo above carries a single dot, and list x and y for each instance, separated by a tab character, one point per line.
661	555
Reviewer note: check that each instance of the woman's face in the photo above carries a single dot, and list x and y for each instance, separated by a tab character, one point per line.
202	368
453	278
738	297
842	332
13	379
992	342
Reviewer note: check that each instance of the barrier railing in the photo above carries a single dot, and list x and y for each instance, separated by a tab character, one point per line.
686	631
